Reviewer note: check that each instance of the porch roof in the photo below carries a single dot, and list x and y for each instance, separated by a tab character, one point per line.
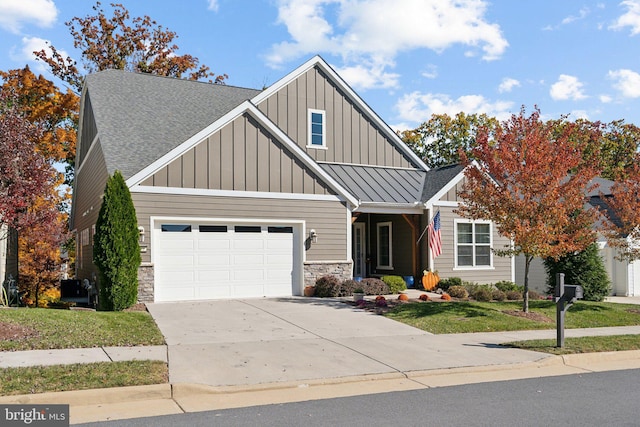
377	184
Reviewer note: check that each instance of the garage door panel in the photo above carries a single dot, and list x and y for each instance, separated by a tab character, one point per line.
248	275
244	243
217	260
214	244
223	261
177	261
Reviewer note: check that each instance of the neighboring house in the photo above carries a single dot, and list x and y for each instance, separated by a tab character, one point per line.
624	275
247	193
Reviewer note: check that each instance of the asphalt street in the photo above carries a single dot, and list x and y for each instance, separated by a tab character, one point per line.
593	399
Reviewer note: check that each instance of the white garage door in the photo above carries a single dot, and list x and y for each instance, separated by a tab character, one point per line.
195	261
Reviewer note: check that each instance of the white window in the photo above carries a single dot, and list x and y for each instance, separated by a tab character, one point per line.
317	137
384	244
473	244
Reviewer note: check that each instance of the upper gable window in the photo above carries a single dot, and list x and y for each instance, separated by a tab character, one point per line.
317	129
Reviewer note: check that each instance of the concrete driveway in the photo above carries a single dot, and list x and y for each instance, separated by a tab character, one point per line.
259	341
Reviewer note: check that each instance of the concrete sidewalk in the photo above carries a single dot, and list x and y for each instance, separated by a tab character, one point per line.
225	354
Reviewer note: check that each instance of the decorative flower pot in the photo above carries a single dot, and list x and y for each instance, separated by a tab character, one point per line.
358	296
309	291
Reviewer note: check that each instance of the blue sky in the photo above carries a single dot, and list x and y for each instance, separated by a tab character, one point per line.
407	59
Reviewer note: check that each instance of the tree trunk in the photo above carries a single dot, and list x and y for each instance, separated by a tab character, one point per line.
525	292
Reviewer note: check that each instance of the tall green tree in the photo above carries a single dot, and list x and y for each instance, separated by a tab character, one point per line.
584	268
522	183
439	140
116	251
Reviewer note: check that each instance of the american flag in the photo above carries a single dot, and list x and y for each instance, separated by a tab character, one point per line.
435	237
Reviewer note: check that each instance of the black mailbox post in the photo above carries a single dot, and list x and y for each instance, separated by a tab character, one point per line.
565	296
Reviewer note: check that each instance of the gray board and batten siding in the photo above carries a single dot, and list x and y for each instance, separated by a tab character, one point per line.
241	156
351	136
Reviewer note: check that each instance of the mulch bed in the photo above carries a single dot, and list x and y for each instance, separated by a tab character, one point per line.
530	315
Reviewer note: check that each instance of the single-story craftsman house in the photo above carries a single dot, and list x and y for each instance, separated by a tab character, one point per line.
624	275
250	193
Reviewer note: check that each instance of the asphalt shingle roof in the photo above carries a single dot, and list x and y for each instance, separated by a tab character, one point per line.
438	178
141	117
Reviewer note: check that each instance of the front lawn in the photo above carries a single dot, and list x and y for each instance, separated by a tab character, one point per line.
41	329
581	345
41	379
466	316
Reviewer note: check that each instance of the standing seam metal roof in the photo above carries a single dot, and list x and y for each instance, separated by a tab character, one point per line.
378	184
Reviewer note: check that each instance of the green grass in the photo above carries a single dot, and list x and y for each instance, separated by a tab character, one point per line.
581	345
41	379
80	329
461	317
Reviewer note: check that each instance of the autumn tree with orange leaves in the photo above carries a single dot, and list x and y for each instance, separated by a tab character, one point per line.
120	42
43	104
530	180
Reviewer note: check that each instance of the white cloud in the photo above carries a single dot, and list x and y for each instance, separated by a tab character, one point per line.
14	14
627	82
430	72
418	107
213	5
377	30
365	76
567	87
25	53
572	18
579	114
630	19
605	99
508	84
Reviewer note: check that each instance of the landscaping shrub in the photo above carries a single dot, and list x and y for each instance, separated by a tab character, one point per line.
585	268
348	287
445	284
373	286
513	295
498	295
483	294
458	292
533	295
506	286
396	283
116	251
328	287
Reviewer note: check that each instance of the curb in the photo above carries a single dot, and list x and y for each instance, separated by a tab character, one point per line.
554	365
107	396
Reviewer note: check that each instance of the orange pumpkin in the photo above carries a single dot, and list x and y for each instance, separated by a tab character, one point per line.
430	280
403	297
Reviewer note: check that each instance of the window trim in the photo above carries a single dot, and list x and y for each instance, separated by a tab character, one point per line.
379	265
324	129
473	245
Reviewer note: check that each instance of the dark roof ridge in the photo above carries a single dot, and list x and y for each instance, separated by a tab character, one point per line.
139	73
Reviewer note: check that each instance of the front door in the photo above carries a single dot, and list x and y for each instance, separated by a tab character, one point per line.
359	250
